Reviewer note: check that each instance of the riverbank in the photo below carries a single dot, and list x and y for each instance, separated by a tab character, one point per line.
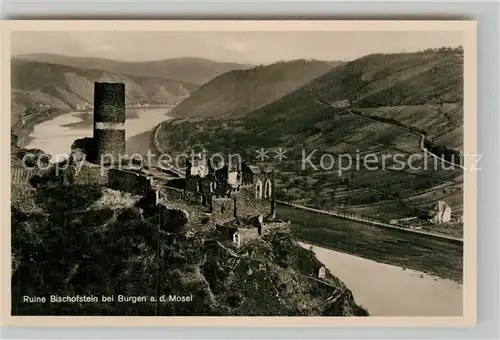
21	132
439	256
55	136
433	256
387	290
353	217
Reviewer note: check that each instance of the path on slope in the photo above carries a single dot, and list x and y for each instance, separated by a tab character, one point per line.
403	128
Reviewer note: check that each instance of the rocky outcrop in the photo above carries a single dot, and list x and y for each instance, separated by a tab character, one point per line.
127	254
172	219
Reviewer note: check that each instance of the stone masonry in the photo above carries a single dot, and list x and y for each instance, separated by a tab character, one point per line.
109	121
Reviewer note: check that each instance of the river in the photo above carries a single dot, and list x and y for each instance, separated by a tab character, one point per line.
56	135
384	289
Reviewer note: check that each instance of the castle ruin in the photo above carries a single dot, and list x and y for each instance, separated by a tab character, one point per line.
108	142
242	190
101	159
109	121
225	193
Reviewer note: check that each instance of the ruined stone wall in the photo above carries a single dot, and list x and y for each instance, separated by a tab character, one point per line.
268	227
206	191
198	190
265	178
128	181
192	183
86	173
222	208
173	193
248	206
226	233
110	147
197	199
193	198
248	234
247	177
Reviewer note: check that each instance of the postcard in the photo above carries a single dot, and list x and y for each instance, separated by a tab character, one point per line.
239	173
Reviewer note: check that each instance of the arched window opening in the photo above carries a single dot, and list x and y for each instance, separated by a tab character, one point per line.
268	189
258	190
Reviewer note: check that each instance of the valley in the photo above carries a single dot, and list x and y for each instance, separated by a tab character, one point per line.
388	107
403	181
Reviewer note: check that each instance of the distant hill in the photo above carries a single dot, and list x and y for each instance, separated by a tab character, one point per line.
429	84
396	79
355	109
423	90
40	85
191	70
236	93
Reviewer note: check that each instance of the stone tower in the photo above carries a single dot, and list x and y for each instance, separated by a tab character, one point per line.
109	121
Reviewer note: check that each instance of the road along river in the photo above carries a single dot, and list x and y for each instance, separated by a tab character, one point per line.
373	262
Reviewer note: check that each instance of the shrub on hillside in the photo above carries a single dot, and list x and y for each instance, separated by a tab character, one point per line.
71	249
68	198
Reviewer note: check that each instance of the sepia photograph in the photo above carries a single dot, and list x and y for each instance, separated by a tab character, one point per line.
241	169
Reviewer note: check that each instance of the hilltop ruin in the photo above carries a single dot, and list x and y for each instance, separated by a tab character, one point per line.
228	195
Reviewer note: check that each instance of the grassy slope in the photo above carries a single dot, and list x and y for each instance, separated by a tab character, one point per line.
396	79
409	88
94	243
189	70
35	83
236	93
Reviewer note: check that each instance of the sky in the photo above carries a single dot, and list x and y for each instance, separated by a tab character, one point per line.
241	47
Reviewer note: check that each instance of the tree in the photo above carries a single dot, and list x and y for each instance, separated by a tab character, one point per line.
332	197
305	185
